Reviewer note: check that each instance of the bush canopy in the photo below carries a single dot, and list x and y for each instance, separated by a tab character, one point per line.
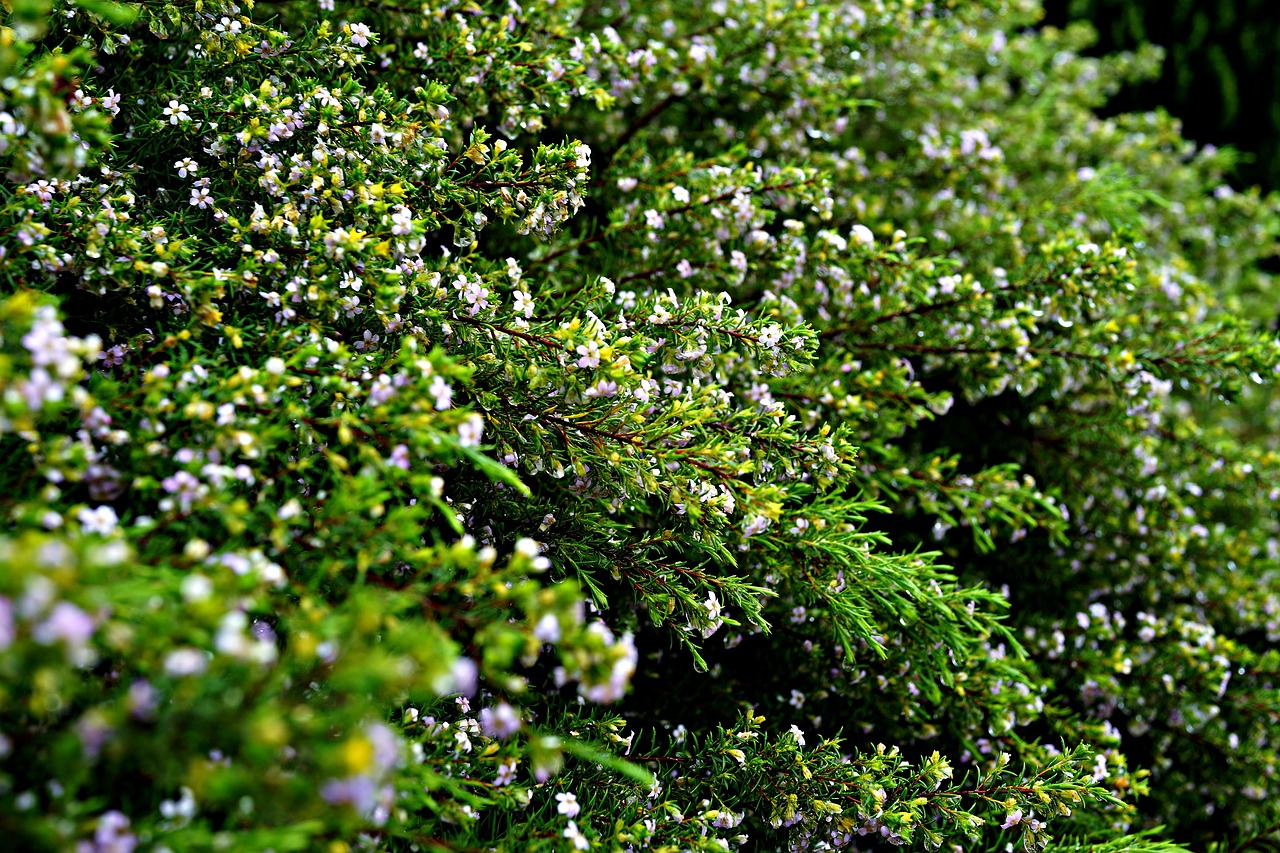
625	425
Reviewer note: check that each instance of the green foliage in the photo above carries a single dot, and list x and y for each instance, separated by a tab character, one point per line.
685	426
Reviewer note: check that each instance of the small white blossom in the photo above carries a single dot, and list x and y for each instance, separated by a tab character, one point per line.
177	112
567	804
575	835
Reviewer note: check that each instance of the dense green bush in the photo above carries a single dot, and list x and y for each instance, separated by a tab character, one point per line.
624	425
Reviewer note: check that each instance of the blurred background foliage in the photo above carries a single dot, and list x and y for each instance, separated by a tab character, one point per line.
1221	74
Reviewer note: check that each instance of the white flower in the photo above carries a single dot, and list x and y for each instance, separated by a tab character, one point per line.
524	303
548	628
579	840
463	743
181	809
568	804
681	194
200	198
862	234
196	588
102	520
402	222
176	112
798	734
771	335
186	661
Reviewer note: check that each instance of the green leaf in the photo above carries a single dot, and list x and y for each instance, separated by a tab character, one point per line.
120	14
587	752
494	470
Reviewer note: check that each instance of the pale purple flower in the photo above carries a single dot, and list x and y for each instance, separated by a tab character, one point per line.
386	746
501	721
67	623
589	354
400	457
141	701
603	388
111	836
465	674
93	731
356	791
360	34
506	773
441	393
7	629
470	430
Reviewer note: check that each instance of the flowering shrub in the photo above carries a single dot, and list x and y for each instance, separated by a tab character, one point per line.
653	425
